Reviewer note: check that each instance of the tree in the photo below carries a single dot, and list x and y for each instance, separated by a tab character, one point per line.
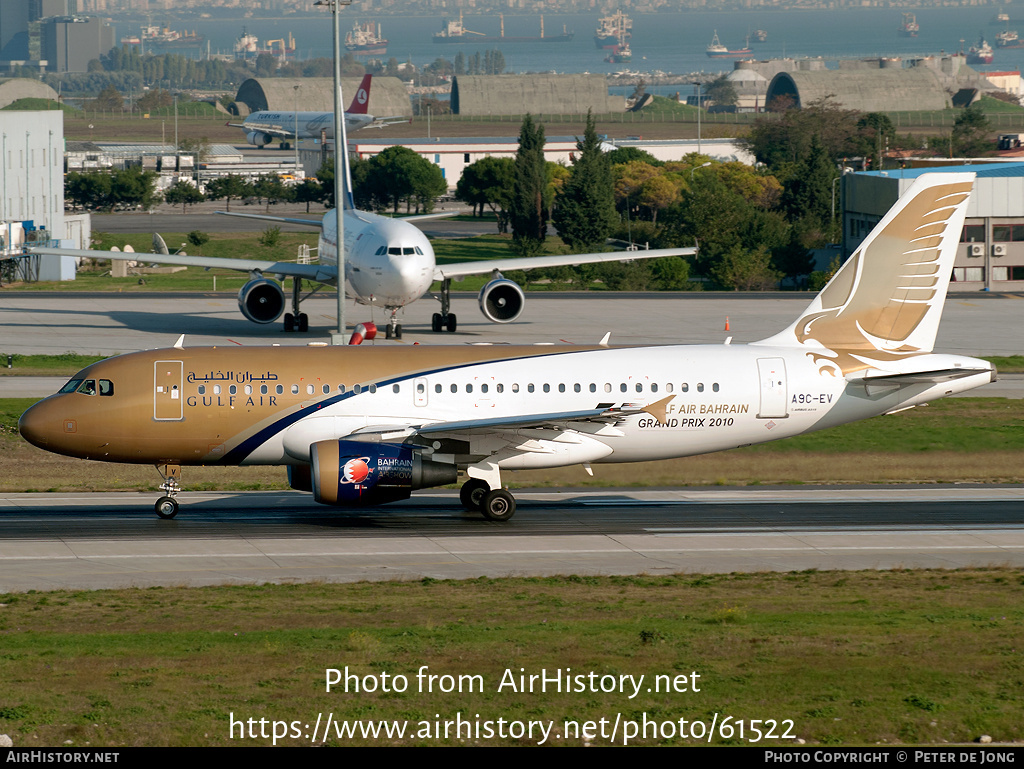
185	193
876	131
309	191
489	181
971	131
198	238
721	92
134	188
585	209
228	187
399	174
109	100
526	211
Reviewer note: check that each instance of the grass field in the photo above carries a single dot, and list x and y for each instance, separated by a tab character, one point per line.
891	658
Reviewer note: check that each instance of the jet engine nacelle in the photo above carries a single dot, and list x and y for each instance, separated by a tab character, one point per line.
501	300
355	474
261	301
258	138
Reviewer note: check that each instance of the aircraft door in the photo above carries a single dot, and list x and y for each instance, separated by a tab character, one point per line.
167	390
419	391
774	392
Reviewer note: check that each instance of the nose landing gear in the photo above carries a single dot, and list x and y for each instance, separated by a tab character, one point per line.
167	506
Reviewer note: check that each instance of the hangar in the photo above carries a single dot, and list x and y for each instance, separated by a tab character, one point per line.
878	90
991	252
24	88
536	94
388	95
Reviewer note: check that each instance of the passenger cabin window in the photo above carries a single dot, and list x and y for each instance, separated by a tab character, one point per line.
202	389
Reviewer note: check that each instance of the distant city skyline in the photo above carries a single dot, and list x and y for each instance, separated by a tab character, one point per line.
263	8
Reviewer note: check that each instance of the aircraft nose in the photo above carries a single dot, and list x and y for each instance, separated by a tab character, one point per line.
44	424
33	425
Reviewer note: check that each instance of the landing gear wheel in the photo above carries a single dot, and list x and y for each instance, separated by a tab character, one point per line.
472	494
435	322
166	507
398	331
303	322
451	322
289	322
498	505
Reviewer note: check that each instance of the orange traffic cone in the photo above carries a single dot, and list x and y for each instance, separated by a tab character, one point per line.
726	322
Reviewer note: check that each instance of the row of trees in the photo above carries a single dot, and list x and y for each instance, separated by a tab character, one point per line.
396	177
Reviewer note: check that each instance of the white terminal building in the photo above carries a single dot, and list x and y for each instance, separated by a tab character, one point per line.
991	252
32	194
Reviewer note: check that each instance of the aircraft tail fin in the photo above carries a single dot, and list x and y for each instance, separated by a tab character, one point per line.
361	101
885	302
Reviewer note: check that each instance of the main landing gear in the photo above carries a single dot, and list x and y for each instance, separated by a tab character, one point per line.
497	505
167	506
295	320
444	320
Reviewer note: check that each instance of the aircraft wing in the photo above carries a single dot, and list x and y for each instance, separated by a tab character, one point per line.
381	122
460	269
280	133
320	273
318	223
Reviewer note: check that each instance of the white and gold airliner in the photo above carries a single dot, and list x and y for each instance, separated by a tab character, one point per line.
362	426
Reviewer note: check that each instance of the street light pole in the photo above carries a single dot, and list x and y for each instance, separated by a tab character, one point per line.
340	146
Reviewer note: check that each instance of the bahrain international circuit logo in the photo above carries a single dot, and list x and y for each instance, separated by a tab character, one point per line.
355	471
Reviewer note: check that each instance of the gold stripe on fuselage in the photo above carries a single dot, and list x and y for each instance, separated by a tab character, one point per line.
218	425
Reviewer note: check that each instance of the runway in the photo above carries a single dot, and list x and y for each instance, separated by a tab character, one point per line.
110	540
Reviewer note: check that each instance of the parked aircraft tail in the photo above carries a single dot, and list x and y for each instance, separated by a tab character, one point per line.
885	302
361	101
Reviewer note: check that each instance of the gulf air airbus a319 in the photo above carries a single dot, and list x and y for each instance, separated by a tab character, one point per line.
361	426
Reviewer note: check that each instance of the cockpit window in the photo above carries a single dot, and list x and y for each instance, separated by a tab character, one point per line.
71	386
395	251
106	387
381	251
88	387
419	250
408	251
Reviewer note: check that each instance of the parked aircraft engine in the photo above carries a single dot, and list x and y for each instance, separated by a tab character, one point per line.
354	474
259	138
501	300
261	300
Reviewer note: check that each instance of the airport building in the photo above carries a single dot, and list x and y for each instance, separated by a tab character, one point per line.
991	252
32	196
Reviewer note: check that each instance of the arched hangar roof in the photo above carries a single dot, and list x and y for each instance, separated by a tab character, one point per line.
536	94
24	88
874	90
388	96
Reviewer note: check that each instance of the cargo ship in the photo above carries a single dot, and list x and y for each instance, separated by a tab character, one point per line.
981	53
909	27
718	51
248	46
612	30
455	33
1009	38
152	36
366	38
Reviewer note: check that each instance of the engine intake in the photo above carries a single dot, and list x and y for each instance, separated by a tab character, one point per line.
259	138
261	301
502	300
356	474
